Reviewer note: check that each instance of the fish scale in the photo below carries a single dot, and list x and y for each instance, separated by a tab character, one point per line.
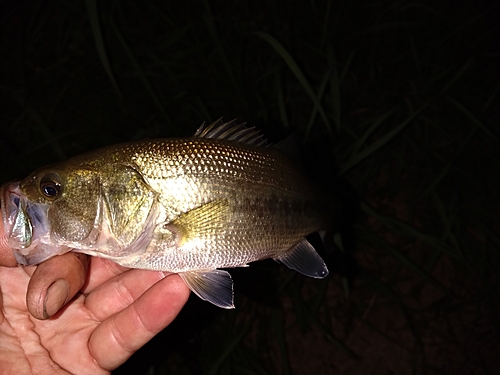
223	198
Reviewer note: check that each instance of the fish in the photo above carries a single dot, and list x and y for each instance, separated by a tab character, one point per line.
194	206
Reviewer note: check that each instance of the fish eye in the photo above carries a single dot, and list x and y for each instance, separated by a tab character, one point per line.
50	185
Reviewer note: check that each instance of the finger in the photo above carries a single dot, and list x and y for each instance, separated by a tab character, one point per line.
101	270
54	283
30	270
6	256
118	337
120	292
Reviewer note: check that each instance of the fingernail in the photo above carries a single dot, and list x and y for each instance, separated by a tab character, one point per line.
56	297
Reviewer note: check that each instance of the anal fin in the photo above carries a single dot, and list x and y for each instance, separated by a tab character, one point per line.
304	259
215	286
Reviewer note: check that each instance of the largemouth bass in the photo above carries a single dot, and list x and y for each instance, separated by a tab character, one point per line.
222	198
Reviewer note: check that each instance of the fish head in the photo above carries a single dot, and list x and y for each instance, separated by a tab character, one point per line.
103	211
49	211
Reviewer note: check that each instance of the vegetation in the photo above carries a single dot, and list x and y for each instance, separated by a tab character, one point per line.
397	104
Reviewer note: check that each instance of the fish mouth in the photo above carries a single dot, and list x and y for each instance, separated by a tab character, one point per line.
25	225
17	225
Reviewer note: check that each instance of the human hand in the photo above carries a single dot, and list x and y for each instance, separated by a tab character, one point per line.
116	311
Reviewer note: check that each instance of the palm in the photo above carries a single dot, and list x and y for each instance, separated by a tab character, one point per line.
118	311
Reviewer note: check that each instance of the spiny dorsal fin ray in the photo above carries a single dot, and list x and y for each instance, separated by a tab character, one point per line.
231	131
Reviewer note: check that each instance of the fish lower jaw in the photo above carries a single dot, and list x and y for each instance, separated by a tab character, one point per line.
37	253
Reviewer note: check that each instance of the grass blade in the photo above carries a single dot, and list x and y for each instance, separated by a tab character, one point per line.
209	21
231	345
281	101
338	343
294	67
372	129
457	75
142	76
407	229
322	88
471	117
373	238
99	42
45	130
334	90
382	141
281	340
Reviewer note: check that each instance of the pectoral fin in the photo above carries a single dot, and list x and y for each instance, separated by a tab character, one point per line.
202	222
304	259
215	286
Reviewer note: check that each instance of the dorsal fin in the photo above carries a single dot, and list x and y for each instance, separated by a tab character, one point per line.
231	131
290	146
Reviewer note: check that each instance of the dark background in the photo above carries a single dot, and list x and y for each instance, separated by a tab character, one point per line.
397	104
